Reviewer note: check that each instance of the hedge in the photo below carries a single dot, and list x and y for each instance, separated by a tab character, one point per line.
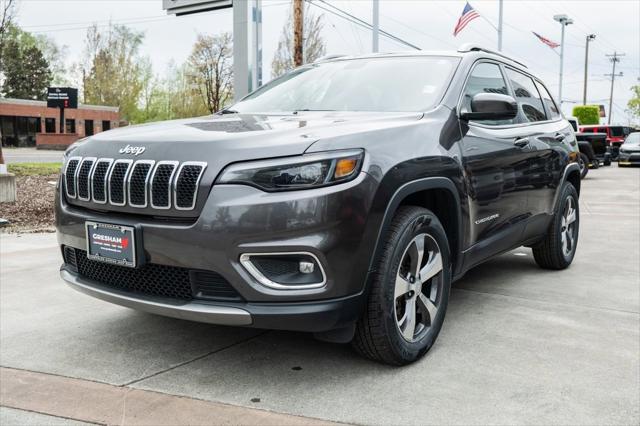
587	114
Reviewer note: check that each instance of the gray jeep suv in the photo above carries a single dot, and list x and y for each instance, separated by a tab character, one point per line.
340	199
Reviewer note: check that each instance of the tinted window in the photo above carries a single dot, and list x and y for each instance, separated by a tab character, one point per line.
617	131
485	78
552	109
378	84
633	139
50	125
529	102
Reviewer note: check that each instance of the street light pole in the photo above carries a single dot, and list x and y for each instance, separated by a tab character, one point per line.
564	21
376	26
590	37
500	10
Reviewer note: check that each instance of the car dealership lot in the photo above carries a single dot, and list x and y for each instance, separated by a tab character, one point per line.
519	345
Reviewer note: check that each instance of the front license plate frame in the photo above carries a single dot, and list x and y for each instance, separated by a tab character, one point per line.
111	243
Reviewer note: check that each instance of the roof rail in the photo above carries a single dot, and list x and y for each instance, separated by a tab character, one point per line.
329	57
470	47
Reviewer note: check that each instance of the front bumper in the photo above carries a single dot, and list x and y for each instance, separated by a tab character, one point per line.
313	317
629	158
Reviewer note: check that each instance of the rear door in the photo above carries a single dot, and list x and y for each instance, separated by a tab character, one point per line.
495	169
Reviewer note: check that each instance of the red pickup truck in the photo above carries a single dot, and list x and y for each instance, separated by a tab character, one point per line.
615	135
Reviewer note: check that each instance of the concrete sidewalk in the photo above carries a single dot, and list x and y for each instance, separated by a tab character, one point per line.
31	155
519	346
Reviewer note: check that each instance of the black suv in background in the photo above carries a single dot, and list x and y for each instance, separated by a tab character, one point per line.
340	199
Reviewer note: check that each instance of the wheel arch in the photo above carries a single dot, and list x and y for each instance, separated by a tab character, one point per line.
440	196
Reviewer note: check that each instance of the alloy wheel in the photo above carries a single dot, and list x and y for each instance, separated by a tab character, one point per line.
568	227
418	287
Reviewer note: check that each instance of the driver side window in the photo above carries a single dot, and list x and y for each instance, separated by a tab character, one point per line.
486	77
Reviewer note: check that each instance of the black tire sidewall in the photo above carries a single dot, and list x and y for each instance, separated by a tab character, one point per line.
422	222
568	190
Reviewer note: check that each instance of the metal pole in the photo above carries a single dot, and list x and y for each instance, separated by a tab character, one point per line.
376	26
247	47
613	77
500	26
561	66
586	66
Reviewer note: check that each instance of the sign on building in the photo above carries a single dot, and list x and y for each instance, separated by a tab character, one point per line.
62	97
185	7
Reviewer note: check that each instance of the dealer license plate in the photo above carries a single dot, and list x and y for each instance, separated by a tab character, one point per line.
111	243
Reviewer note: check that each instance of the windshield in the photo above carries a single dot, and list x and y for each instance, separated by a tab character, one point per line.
369	84
633	139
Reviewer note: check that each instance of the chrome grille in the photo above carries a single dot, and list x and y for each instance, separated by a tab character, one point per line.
139	184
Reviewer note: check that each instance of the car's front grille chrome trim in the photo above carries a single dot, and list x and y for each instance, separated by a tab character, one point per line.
125	182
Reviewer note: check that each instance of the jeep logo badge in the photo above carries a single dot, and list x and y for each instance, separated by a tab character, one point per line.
134	150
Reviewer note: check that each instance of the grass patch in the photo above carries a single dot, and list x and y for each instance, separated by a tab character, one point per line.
34	169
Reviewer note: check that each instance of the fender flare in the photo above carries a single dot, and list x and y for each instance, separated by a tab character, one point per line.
411	188
565	174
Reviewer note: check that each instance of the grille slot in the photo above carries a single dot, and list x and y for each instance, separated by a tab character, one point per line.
70	177
117	182
82	178
70	257
161	184
186	186
99	180
153	279
138	180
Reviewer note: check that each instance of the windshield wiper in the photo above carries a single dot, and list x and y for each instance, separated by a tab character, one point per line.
313	110
227	111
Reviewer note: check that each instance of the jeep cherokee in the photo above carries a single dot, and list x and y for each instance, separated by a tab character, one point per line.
342	198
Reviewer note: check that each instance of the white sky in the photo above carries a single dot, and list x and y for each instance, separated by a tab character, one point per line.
426	23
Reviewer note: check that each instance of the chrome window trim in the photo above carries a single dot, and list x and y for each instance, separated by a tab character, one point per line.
106	180
124	182
245	261
175	165
66	183
175	183
88	198
146	182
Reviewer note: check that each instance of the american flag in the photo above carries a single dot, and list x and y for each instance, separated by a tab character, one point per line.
468	15
551	44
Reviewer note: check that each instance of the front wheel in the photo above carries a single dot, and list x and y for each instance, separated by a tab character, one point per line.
409	292
558	248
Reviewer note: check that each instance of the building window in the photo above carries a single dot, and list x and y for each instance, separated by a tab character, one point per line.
106	125
70	126
88	127
50	125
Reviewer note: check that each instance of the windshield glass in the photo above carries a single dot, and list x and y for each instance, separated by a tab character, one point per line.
616	131
369	84
633	139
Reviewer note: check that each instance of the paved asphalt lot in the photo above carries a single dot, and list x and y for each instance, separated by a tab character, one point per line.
31	155
519	345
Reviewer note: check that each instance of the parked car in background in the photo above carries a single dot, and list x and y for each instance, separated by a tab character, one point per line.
615	135
594	151
630	150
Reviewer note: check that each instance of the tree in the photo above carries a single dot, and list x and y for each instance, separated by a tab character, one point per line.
7	15
113	70
211	69
587	114
26	72
314	46
634	102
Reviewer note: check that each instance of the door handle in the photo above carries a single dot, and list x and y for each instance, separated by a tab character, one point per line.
560	137
521	142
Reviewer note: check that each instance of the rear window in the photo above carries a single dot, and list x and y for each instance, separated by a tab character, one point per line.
617	131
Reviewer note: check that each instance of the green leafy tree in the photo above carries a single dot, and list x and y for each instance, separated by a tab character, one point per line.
313	46
26	72
587	114
634	102
113	72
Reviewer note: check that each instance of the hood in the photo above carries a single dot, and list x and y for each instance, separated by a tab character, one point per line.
630	147
223	139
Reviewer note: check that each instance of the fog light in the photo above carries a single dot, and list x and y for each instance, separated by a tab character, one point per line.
289	270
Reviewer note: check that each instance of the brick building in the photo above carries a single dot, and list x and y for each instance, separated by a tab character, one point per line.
27	123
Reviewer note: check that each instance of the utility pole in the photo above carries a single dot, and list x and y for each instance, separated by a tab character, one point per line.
500	26
615	58
590	37
564	21
376	26
298	31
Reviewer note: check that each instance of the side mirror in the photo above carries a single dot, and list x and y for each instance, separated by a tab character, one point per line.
491	106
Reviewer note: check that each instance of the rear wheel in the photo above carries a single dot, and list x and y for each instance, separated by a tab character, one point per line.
558	248
410	291
583	162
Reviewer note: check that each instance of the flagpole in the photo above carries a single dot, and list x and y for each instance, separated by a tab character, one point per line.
500	26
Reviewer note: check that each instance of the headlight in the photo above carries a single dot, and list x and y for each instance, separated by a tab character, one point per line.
303	172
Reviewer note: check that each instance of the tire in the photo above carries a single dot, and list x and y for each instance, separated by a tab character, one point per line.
595	163
583	162
385	332
558	248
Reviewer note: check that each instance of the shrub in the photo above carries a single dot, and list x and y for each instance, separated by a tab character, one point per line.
587	114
